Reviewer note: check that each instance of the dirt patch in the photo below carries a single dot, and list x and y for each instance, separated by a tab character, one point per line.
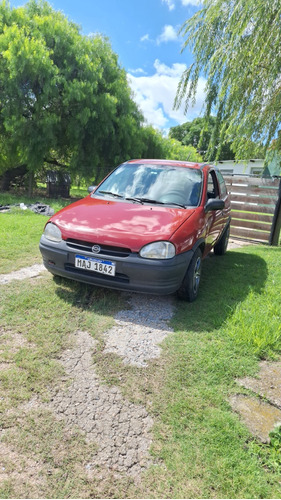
140	329
235	243
22	274
20	471
120	429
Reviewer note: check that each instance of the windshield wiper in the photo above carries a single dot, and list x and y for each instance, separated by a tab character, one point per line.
110	193
177	204
138	200
156	202
145	200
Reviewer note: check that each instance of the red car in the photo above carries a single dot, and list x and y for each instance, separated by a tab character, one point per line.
145	228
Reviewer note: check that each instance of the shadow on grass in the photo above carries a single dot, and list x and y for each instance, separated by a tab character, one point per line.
88	297
226	281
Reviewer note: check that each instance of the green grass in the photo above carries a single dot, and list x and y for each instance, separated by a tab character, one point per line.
202	448
20	235
21	231
220	337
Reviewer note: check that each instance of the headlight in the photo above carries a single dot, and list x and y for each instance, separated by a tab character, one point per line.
158	250
52	232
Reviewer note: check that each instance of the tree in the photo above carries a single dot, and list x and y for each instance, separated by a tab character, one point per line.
199	134
64	99
236	45
273	158
152	143
175	150
157	146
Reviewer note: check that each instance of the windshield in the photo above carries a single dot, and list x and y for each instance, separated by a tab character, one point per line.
164	184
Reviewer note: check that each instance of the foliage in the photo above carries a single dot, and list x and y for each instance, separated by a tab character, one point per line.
175	150
199	133
153	143
157	146
64	99
273	158
237	46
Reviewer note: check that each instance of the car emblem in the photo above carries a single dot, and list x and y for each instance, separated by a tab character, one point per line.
96	249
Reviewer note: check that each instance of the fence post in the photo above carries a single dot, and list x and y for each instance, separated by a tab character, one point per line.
276	223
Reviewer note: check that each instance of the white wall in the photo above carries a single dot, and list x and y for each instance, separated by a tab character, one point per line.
245	167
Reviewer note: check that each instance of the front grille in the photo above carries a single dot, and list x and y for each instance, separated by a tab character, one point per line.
118	278
107	250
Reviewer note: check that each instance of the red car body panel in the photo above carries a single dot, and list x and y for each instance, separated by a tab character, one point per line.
119	223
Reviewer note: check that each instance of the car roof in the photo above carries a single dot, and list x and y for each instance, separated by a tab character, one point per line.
179	163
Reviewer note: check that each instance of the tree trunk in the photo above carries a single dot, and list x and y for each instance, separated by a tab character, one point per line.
30	183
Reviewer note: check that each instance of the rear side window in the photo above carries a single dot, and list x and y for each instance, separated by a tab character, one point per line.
223	189
212	189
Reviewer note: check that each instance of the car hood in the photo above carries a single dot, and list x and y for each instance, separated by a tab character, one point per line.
119	223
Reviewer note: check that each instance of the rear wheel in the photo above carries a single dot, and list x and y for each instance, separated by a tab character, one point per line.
221	247
189	288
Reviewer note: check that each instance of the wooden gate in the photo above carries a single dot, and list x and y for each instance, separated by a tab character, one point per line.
255	205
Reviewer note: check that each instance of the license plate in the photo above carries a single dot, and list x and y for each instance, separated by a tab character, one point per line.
96	265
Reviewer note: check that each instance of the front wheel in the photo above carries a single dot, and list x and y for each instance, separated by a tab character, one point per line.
189	288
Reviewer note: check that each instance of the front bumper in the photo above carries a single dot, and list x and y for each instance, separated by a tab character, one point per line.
133	273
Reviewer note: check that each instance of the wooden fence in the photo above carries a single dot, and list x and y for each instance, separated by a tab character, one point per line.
256	208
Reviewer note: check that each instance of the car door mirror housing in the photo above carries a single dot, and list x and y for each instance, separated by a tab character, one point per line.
214	204
91	189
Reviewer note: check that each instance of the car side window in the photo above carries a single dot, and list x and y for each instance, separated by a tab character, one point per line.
212	189
223	189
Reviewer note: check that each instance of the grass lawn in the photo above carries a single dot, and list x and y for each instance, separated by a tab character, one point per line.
203	448
21	231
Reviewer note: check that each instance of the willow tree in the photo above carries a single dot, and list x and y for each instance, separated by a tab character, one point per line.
236	46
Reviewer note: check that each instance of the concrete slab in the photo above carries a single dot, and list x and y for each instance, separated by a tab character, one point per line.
259	417
268	382
236	243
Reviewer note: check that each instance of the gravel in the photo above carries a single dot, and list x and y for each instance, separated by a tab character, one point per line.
140	329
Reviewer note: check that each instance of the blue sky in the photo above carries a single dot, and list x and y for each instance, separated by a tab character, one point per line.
144	34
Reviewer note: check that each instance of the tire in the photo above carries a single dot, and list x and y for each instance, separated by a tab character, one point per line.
221	247
189	288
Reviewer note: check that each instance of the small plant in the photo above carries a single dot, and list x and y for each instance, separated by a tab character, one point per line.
275	449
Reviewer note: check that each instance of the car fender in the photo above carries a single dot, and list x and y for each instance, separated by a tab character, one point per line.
199	243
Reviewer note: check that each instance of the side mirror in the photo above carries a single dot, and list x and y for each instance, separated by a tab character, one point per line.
214	204
91	188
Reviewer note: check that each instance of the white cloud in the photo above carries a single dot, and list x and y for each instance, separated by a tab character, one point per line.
191	2
155	95
170	4
136	71
145	38
169	34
